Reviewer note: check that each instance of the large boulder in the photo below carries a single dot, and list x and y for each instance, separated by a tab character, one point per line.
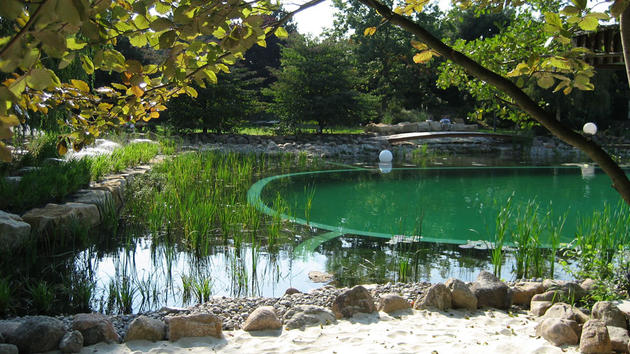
195	325
491	292
437	296
618	338
95	328
72	342
538	308
552	296
572	289
14	232
301	316
261	319
53	217
352	301
116	187
595	338
523	292
558	331
36	334
462	296
567	312
102	199
610	314
8	349
392	302
146	328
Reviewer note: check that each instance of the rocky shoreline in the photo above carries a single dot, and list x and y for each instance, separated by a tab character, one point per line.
602	329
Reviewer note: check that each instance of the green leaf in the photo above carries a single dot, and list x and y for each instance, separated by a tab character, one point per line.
53	42
66	60
589	23
191	92
139	40
87	65
210	76
67	11
39	79
281	33
519	70
167	39
553	19
161	24
545	81
81	85
580	4
11	9
570	10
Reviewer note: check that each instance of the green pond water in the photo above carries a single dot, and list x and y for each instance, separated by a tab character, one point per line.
447	205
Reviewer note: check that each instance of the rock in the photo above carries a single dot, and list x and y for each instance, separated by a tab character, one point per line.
352	301
52	217
618	338
262	318
538	308
462	296
567	312
552	296
558	331
195	325
8	349
595	338
588	285
14	232
116	187
98	197
291	291
146	328
95	328
37	334
572	289
437	296
72	342
491	292
523	292
392	302
610	314
319	277
624	306
7	330
301	316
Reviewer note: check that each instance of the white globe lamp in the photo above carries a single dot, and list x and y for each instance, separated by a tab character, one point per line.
385	156
590	128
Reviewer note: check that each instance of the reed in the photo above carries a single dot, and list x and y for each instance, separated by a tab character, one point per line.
501	231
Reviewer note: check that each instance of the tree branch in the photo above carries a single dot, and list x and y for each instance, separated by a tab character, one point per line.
619	179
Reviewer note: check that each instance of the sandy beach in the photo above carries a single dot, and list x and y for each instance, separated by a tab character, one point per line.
410	331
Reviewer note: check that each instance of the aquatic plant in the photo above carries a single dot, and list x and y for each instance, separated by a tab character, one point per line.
42	297
6	296
501	230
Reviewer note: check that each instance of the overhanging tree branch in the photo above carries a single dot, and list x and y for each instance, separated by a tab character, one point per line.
619	179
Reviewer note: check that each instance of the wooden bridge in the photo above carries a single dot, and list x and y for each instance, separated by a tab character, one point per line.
446	134
605	45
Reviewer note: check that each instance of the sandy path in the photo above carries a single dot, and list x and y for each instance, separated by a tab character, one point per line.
486	332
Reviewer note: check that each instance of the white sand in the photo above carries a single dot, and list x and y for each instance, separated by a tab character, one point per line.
486	332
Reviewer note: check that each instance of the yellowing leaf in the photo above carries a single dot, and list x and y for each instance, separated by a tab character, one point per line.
423	57
589	23
545	81
10	120
62	147
11	9
5	132
369	31
74	45
191	92
418	45
5	153
155	115
281	32
87	65
81	85
39	79
137	91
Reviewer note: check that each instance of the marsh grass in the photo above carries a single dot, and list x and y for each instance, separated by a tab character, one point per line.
6	296
501	231
42	297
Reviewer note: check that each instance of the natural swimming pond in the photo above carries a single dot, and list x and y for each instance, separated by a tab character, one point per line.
188	231
442	204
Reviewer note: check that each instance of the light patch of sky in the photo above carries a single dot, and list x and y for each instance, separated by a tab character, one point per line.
319	17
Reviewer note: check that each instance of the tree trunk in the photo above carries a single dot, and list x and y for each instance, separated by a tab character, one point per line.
619	179
624	29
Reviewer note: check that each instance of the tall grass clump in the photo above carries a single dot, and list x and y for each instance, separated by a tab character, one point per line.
6	296
601	250
49	183
501	231
123	158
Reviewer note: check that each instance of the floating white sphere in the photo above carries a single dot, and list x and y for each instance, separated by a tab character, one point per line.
385	156
590	128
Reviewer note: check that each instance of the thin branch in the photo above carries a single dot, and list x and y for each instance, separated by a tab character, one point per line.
24	29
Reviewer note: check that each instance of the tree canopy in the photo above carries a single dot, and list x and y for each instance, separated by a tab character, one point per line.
198	39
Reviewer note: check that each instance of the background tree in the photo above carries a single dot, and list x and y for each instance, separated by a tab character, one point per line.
564	72
220	107
317	83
